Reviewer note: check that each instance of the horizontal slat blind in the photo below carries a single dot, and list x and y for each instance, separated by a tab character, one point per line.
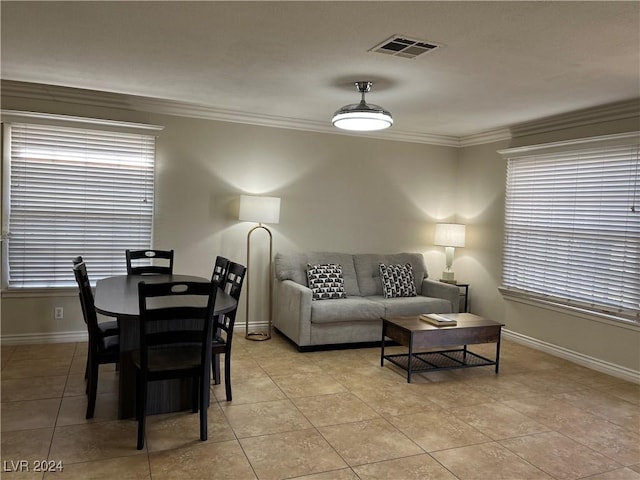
572	228
76	192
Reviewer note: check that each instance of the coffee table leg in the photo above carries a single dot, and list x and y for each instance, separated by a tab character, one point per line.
498	354
409	359
384	324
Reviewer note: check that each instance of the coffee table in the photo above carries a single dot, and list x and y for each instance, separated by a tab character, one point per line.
419	335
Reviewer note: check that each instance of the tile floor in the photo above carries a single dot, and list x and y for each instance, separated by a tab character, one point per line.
333	415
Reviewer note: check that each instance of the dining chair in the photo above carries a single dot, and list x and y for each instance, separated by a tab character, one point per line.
223	327
104	342
220	270
134	267
176	319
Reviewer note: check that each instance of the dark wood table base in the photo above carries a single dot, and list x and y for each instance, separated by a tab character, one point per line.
416	334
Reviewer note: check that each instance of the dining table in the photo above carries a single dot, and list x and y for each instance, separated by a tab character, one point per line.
117	296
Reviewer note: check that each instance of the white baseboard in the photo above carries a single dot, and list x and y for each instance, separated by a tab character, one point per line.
35	338
575	357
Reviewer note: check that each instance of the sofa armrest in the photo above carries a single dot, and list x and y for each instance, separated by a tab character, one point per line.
292	310
433	288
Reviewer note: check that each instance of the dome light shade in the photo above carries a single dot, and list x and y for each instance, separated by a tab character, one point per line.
362	117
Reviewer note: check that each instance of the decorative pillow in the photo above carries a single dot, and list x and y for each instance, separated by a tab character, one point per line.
397	280
326	281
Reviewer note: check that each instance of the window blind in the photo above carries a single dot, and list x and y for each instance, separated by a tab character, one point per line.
572	228
76	191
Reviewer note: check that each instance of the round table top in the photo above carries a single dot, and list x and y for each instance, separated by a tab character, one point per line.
118	296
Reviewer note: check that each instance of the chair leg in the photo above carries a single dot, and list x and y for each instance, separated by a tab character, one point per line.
215	367
204	406
92	385
227	374
141	404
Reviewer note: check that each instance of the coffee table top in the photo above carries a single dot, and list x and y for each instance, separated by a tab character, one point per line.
465	320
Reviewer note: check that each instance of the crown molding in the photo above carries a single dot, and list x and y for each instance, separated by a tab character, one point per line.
622	110
614	111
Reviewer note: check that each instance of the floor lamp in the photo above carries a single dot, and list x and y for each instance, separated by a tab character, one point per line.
261	210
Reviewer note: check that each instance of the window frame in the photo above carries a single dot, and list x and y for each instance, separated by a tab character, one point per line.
12	117
549	299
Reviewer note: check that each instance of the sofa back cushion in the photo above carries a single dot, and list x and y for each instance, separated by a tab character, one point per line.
293	266
367	268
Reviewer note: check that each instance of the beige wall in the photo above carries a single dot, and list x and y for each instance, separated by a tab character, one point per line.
340	193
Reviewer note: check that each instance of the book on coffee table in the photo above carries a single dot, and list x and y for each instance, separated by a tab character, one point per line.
438	320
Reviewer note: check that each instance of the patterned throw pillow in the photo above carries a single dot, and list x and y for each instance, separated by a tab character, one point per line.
326	281
397	280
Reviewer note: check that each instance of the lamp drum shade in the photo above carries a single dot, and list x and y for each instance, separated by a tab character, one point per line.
449	235
259	209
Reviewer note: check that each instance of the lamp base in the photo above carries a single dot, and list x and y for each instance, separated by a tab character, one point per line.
448	277
257	336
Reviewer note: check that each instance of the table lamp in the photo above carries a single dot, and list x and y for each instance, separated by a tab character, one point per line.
261	210
449	235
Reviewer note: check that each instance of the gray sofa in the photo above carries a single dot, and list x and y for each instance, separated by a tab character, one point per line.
356	318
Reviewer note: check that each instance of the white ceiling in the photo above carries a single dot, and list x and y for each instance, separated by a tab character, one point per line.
501	63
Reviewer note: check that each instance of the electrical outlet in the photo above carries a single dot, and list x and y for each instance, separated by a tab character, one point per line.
58	313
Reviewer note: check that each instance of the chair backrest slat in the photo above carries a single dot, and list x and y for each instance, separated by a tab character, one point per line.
134	267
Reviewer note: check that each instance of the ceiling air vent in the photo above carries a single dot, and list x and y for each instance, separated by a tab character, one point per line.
402	46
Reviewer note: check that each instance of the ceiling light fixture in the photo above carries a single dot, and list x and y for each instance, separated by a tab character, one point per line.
362	116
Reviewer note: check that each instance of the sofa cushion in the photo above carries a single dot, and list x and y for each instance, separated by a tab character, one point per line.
346	310
398	307
368	270
325	281
293	266
397	280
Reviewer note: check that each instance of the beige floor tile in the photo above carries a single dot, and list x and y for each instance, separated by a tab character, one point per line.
24	446
551	413
616	442
498	421
448	395
589	377
390	402
219	460
332	409
249	390
626	391
437	430
107	383
487	461
342	474
264	418
635	468
242	369
419	467
32	388
502	387
182	429
95	441
291	454
48	350
29	414
607	406
129	468
306	384
73	410
5	353
369	441
42	367
283	365
619	474
559	456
